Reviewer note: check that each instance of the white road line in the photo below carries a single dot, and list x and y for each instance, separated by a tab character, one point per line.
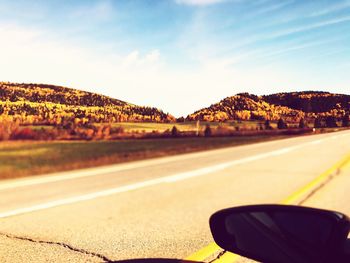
76	199
70	175
317	141
222	166
62	176
167	179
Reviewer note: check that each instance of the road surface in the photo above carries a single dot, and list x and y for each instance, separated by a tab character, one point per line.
159	207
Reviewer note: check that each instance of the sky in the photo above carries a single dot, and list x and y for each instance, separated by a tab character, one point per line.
177	55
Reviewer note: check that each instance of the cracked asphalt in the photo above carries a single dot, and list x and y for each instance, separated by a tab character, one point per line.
152	217
54	244
22	250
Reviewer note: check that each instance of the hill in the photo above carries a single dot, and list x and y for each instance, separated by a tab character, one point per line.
42	104
53	105
311	101
289	106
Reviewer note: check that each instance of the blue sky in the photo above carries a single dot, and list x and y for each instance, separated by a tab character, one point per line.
178	55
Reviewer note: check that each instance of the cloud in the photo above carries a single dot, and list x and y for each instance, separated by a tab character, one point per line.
273	56
141	78
331	9
286	32
153	56
101	11
198	2
28	10
310	27
36	56
270	8
135	59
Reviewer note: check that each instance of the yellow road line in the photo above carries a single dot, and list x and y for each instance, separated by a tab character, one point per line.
213	248
204	253
228	257
314	184
346	166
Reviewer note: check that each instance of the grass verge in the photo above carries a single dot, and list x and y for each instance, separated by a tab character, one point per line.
19	159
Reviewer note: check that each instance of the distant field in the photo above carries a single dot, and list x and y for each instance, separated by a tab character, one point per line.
182	126
186	126
18	159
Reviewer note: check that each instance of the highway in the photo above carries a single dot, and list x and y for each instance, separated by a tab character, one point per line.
159	207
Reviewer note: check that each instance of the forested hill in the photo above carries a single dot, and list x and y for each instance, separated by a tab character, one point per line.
289	106
49	104
54	94
55	105
311	101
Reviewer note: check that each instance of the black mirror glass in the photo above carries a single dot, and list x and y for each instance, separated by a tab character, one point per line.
275	233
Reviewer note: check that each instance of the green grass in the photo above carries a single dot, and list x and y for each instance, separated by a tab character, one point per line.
39	127
184	126
20	159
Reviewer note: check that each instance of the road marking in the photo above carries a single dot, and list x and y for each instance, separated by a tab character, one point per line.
319	180
85	197
166	179
62	176
83	173
227	257
223	166
202	254
317	141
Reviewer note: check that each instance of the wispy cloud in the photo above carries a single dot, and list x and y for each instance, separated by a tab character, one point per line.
198	2
263	56
270	8
36	56
99	11
287	32
32	11
310	27
331	9
153	55
134	59
140	78
329	54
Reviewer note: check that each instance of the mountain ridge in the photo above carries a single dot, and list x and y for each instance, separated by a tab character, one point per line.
291	106
31	103
49	104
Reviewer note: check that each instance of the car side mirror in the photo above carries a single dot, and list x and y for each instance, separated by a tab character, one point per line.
281	233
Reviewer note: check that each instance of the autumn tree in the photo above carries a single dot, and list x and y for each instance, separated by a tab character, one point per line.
268	125
207	131
7	127
345	120
318	123
174	132
331	122
41	104
281	124
181	119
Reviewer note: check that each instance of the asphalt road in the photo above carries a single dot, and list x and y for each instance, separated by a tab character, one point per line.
159	207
